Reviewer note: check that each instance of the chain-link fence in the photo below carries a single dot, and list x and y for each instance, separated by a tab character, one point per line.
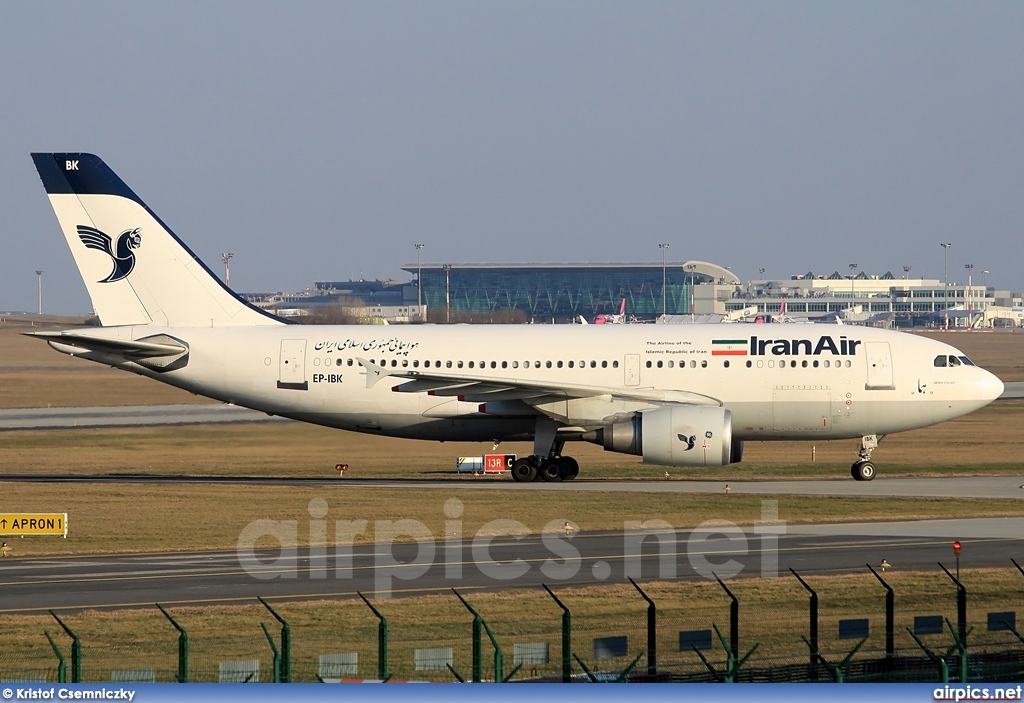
872	626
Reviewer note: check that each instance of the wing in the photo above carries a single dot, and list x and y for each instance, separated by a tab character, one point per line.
92	238
539	394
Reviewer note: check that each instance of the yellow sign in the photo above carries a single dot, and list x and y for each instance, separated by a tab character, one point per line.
34	524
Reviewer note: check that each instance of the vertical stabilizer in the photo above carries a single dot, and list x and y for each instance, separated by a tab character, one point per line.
136	270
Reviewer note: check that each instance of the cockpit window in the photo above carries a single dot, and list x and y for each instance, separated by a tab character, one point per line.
967	362
940	360
953	361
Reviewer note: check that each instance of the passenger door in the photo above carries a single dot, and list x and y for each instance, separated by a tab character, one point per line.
292	366
880	376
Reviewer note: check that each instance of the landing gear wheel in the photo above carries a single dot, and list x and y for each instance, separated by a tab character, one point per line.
863	471
524	471
551	470
571	468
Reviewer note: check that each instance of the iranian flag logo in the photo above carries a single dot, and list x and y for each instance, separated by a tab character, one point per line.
728	347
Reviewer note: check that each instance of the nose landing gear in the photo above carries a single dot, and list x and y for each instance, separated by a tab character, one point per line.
864	470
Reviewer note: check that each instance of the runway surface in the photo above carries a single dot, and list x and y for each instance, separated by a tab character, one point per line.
957	487
403	569
185	414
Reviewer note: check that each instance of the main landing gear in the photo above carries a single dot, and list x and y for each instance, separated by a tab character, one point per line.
552	469
863	469
547	462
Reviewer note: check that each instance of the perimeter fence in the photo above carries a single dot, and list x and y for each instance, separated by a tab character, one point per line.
935	628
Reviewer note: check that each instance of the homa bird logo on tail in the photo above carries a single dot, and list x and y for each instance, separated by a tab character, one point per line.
122	252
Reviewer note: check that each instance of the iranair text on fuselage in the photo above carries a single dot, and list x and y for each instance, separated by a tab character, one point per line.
825	344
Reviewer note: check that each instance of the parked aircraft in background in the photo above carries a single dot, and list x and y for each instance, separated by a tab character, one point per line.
679	395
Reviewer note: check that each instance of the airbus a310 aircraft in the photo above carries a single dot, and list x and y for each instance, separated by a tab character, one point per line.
677	395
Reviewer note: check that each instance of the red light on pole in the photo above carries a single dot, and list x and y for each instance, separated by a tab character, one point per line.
956	549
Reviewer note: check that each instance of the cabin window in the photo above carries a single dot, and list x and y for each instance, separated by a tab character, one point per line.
337	362
526	364
615	364
504	364
548	364
748	363
771	363
471	364
459	364
494	364
704	364
448	364
570	364
848	364
804	363
405	364
827	363
604	364
792	364
593	364
693	364
648	363
726	363
815	363
671	364
559	364
515	364
659	364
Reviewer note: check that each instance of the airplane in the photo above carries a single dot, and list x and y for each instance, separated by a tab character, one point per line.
619	319
676	395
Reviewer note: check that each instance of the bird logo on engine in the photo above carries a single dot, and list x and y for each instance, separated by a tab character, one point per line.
688	441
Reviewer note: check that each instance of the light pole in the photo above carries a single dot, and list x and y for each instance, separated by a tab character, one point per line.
906	273
853	270
945	282
226	258
419	282
447	292
664	290
691	268
39	280
970	297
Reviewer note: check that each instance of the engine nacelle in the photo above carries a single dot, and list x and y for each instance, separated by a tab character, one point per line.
677	435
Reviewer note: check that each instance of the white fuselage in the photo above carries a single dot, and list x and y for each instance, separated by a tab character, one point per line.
779	381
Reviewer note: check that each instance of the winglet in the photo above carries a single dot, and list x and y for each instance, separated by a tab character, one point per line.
374	372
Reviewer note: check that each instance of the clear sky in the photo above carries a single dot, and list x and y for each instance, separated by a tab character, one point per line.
322	140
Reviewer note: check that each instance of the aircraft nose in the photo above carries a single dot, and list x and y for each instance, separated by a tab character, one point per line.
990	386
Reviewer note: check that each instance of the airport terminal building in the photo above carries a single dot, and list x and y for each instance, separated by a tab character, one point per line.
565	292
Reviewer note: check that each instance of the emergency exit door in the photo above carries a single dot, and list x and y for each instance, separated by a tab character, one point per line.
632	369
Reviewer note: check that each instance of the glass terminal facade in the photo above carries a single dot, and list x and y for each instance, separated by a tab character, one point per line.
559	293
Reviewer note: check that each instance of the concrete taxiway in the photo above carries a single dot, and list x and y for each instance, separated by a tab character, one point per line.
498	563
956	487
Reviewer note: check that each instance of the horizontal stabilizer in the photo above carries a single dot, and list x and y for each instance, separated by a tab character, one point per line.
136	348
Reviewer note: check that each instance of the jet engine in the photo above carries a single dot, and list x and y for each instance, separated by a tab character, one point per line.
676	435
